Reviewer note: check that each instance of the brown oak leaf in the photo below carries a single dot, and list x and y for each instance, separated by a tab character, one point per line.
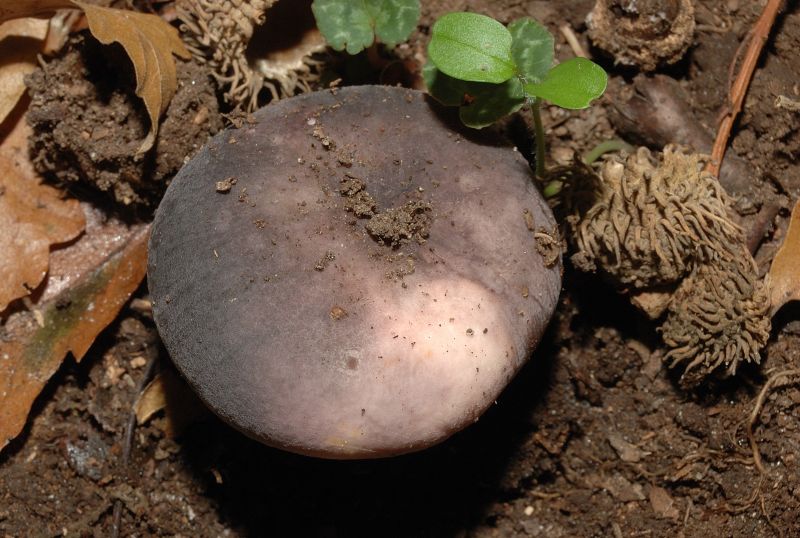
148	40
784	274
33	217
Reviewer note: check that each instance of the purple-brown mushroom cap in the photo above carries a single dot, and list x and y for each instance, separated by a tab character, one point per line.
312	330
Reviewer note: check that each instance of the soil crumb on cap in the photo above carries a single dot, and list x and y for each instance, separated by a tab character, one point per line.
393	226
400	224
357	200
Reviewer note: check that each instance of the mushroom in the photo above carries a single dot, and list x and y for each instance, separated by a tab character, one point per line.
351	275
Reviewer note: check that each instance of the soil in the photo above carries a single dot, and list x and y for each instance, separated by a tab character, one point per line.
97	146
392	226
595	437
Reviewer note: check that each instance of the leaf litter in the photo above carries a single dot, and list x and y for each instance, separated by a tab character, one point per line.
71	291
33	217
21	40
73	266
88	283
784	275
149	41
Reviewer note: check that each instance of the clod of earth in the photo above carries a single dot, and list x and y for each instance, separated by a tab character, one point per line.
647	33
254	45
98	146
661	229
310	332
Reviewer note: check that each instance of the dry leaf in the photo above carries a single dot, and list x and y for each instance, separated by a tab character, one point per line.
88	283
625	450
662	503
168	392
784	275
16	9
150	42
20	41
32	218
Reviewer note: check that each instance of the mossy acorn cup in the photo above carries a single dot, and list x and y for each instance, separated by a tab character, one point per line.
352	274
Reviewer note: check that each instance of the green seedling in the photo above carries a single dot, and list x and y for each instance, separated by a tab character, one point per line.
490	71
354	25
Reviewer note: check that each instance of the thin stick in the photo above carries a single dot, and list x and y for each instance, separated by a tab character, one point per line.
572	41
762	396
759	35
127	445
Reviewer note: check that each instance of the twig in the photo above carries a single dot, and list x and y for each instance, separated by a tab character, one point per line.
757	38
130	428
787	103
572	41
762	396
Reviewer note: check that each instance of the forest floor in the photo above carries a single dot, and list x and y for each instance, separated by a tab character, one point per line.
594	437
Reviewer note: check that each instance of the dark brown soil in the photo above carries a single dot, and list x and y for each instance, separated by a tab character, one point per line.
95	144
594	438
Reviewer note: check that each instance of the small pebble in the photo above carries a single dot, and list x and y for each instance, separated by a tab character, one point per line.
528	510
225	185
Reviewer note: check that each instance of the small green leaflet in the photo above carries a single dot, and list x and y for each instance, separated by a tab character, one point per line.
531	49
480	103
572	84
489	71
394	19
472	47
353	25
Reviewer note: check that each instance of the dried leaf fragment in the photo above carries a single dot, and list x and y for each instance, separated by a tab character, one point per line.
625	450
168	392
784	274
17	9
663	505
150	42
32	218
20	41
88	284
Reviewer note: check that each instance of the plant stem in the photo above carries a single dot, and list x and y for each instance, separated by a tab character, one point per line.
605	147
539	134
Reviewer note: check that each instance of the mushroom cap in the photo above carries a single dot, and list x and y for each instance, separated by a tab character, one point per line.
307	331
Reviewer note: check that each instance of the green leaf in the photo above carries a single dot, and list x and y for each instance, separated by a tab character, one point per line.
447	90
531	49
481	103
353	24
345	25
472	47
572	84
394	19
492	102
